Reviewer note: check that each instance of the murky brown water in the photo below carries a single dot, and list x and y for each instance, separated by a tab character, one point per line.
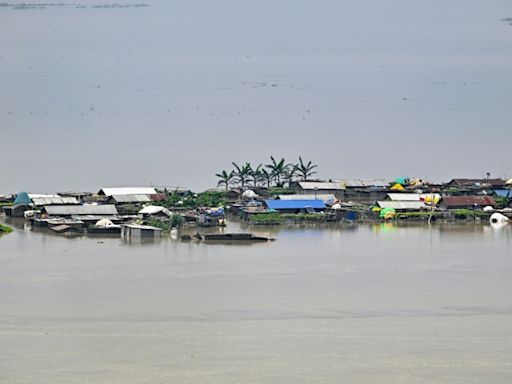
364	304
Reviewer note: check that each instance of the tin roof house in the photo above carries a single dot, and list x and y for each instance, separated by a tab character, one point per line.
466	202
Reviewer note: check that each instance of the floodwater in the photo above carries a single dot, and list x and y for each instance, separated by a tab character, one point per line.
328	304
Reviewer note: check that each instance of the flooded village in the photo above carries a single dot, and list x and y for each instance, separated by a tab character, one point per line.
275	194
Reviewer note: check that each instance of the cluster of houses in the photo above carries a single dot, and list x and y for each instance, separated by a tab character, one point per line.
352	198
110	211
126	211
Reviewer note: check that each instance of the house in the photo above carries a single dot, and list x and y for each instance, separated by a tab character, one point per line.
17	210
54	200
475	183
364	190
402	205
21	203
129	199
364	183
319	187
129	231
426	197
127	191
155	212
466	202
6	198
100	211
327	198
296	206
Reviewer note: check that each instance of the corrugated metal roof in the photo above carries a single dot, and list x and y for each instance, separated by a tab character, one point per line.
131	198
325	197
295	204
413	196
477	182
127	191
41	196
158	197
95	217
466	201
312	185
364	183
67	210
42	201
138	226
402	205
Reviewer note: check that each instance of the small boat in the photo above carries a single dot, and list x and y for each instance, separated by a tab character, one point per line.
235	237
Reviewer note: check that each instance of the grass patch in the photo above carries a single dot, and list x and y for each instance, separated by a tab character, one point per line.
266	218
5	229
468	213
304	217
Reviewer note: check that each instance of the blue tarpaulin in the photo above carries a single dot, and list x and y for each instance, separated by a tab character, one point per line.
22	199
503	192
295	204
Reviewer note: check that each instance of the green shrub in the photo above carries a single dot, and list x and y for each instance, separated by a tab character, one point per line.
174	222
5	229
190	200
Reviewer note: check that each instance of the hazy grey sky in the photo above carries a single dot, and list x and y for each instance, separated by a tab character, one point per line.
172	93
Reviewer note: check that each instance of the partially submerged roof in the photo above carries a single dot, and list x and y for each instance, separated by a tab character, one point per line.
127	191
135	198
319	185
465	201
144	227
295	204
67	210
402	205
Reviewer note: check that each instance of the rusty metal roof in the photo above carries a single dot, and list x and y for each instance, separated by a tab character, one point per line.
465	201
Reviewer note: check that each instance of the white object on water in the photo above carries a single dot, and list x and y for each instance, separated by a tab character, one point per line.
498	218
249	194
30	213
105	223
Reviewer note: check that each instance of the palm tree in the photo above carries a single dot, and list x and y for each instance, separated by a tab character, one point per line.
256	175
305	170
242	173
267	177
225	179
277	168
290	173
